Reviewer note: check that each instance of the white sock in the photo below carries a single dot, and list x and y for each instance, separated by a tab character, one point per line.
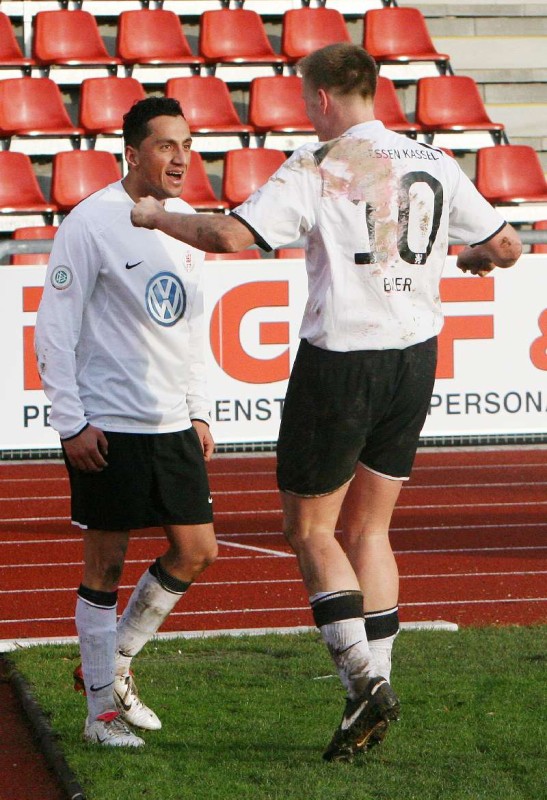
381	650
347	643
149	605
96	628
382	627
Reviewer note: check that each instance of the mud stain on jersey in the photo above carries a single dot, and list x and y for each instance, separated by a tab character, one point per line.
350	171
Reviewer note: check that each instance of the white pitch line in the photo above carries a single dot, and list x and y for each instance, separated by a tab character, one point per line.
256	549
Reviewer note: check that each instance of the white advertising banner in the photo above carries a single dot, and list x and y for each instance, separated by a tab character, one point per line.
491	377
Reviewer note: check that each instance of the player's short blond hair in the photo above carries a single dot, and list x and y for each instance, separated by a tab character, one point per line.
342	68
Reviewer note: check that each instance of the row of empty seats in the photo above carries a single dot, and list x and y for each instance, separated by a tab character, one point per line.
35	120
507	176
67	44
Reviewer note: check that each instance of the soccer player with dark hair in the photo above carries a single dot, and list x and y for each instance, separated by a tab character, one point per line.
376	211
120	349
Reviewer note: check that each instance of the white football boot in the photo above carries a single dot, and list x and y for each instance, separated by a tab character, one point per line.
131	707
110	730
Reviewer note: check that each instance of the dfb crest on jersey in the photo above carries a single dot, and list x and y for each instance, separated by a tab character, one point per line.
165	298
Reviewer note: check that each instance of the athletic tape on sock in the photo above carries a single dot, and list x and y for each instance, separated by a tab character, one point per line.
381	624
166	581
96	598
337	606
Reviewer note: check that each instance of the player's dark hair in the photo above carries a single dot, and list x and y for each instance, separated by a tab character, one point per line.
135	122
341	68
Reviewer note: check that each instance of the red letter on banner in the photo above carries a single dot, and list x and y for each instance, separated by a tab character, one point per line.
225	332
538	349
454	290
31	300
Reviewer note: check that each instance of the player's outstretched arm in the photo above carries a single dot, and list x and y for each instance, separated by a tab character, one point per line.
214	233
503	250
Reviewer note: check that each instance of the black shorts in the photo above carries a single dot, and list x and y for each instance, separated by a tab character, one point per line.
151	480
365	406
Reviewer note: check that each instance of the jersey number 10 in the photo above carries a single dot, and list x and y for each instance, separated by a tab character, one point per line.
422	215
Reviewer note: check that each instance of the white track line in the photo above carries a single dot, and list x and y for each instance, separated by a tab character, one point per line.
261	512
223	612
208	584
235	492
267	554
422	528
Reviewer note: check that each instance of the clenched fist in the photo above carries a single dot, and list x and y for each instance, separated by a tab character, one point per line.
145	213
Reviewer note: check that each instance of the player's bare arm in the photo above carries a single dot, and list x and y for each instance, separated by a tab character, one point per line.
87	451
213	233
503	250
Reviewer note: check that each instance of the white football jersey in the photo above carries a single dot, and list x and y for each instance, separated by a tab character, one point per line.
119	332
377	210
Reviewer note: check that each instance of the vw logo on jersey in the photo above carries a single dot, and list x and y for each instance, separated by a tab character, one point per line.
165	298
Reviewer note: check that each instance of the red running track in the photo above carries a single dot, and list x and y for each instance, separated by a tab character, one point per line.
469	532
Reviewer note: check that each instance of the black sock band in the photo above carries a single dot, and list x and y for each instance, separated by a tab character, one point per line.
166	581
95	598
381	624
337	606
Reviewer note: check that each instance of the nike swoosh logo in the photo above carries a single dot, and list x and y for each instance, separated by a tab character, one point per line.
347	723
125	706
130	266
98	688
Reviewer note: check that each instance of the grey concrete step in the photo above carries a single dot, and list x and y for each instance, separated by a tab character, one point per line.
485	8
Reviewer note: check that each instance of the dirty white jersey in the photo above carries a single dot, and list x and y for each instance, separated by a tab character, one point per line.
119	332
377	211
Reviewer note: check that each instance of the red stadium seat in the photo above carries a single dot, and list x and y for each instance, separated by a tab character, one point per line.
244	255
451	104
79	173
512	176
71	42
34	117
13	63
197	190
153	46
246	170
20	195
540	225
103	102
307	29
398	37
234	42
388	109
277	112
34	232
210	113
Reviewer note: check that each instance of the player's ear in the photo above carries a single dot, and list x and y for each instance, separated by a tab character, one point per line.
131	156
323	100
